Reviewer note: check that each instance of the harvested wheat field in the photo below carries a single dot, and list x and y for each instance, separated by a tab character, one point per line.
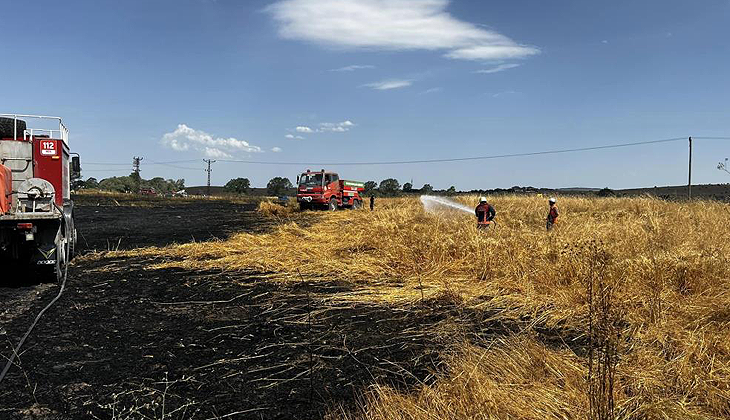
637	290
622	311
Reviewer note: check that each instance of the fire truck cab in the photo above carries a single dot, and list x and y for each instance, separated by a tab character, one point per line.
326	190
37	227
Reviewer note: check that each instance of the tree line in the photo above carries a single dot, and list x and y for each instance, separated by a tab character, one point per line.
277	186
390	187
130	184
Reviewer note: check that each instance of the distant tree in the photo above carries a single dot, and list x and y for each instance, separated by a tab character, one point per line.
78	184
407	187
158	184
118	184
136	181
606	192
389	187
370	187
133	182
179	184
278	186
238	185
91	183
451	190
426	189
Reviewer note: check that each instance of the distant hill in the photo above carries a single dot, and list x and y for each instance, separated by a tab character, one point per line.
713	191
578	189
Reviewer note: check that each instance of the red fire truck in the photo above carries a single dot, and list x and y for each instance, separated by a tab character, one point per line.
326	190
36	211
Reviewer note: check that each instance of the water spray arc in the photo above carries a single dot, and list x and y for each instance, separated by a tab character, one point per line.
432	204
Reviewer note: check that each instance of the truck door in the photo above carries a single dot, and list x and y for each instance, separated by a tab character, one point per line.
335	187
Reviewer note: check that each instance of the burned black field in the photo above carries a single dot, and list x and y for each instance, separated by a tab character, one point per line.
127	341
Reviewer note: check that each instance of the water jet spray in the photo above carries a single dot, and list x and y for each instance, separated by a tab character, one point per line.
432	204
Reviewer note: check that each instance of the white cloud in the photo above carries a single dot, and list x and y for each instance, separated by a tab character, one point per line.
178	145
335	127
492	52
213	152
392	25
497	69
389	84
276	149
354	67
325	127
186	138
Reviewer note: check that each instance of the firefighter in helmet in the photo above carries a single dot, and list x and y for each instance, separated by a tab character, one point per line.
485	214
552	216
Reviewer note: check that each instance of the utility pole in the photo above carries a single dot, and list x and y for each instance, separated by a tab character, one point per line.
689	181
135	166
723	166
208	161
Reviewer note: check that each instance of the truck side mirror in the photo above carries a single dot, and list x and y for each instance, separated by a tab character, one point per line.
76	166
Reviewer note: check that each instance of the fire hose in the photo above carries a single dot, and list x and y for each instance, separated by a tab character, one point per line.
38	317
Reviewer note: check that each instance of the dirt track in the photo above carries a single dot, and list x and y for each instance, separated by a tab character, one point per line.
125	337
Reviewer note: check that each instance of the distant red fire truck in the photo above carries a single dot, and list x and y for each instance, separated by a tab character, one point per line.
326	190
36	212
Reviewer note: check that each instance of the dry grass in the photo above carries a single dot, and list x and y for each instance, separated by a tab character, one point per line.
669	264
515	378
277	210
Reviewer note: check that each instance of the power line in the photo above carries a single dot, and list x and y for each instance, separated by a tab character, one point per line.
406	162
148	163
106	170
181	167
461	159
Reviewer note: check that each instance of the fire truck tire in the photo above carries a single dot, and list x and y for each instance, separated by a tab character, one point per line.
72	244
333	204
303	206
7	127
72	238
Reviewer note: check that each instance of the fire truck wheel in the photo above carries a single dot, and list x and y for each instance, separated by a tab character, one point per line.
7	127
72	235
72	244
303	206
333	204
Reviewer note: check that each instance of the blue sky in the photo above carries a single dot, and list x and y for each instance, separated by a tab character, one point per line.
375	80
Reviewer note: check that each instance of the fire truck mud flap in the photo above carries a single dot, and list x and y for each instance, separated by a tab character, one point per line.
47	251
49	254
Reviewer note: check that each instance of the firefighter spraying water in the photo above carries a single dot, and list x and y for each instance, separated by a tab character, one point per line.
485	214
484	211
